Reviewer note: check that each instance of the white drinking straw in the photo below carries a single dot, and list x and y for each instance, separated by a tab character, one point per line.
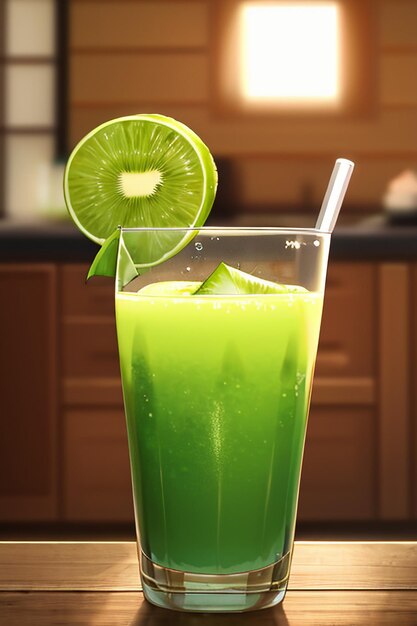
336	189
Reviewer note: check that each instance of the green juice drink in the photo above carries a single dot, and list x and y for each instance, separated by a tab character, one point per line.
216	391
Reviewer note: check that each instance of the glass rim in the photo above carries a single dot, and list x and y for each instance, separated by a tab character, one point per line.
229	229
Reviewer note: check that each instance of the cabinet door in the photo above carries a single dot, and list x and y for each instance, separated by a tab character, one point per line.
340	464
81	299
97	482
28	392
339	480
348	336
89	346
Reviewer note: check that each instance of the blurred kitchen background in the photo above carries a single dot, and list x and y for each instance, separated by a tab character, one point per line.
276	105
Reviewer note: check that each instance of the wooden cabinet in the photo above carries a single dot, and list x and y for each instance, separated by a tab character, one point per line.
395	385
347	347
63	441
363	396
339	473
89	348
28	387
339	479
96	474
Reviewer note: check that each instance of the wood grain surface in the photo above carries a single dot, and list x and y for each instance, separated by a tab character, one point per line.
300	608
97	584
108	566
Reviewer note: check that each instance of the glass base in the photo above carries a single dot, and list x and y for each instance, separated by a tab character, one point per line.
186	591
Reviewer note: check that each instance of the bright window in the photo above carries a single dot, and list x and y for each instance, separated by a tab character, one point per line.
294	58
33	107
289	52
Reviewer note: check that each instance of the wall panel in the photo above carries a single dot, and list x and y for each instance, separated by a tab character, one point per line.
398	22
398	79
303	180
132	24
390	133
135	78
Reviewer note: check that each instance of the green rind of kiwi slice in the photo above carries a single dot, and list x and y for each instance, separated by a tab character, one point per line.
227	280
105	261
112	254
141	171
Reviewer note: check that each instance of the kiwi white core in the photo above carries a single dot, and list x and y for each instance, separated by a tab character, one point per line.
139	184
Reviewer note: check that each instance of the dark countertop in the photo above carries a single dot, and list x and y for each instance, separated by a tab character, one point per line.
369	239
44	241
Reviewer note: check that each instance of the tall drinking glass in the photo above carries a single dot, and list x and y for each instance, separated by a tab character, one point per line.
217	390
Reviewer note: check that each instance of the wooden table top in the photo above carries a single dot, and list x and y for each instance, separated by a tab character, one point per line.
97	584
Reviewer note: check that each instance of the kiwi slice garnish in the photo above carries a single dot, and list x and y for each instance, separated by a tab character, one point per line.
141	171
